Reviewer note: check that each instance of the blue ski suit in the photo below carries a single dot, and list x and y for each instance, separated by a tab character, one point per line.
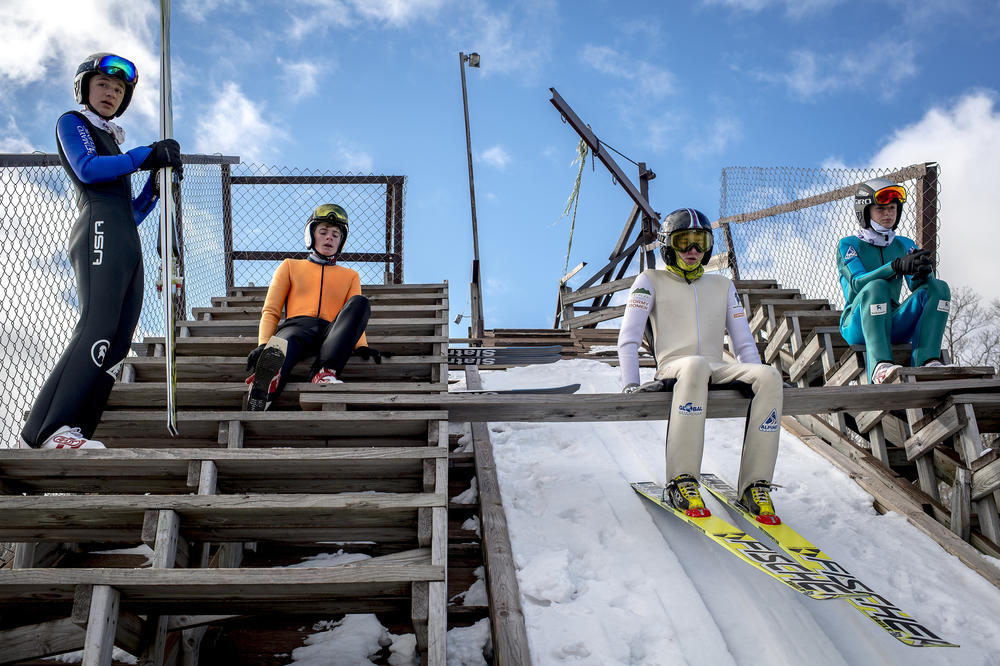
106	256
873	315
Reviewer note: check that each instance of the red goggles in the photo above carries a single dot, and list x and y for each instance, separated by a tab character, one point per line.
888	195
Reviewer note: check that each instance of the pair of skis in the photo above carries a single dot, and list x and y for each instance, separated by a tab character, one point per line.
796	562
486	356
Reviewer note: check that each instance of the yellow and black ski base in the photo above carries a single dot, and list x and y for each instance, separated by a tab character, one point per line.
874	606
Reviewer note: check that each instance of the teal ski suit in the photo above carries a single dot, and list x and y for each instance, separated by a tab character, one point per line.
873	315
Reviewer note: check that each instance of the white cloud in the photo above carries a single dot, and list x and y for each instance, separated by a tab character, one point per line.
199	10
965	140
651	80
54	37
310	16
12	140
714	138
794	8
517	39
396	12
301	77
495	156
233	125
353	160
811	74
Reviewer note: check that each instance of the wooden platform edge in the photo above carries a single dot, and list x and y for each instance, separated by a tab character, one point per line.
510	635
884	489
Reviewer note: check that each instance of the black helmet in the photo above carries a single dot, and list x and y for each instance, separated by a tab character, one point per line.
109	65
877	191
685	219
332	214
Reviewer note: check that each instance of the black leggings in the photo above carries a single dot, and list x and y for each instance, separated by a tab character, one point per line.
332	343
105	254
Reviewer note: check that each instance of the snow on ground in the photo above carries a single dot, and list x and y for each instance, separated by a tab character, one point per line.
606	578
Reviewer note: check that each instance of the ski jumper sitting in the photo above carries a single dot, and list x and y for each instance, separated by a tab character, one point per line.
687	312
872	265
104	251
326	314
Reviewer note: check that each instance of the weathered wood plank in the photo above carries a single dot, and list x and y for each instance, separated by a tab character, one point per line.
406	345
230	394
215	518
146	428
653	406
233	368
944	425
45	639
102	624
961	504
248	329
985	475
170	591
510	641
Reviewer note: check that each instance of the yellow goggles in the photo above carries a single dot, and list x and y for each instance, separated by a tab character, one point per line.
331	212
700	239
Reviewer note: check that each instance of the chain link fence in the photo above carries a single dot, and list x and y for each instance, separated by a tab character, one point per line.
235	223
784	223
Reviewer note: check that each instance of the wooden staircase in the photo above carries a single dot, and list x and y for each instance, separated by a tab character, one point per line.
234	499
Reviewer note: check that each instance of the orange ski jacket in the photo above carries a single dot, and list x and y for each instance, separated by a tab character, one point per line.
304	288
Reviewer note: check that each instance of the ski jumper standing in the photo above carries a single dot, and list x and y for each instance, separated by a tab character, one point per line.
687	312
104	251
872	265
325	314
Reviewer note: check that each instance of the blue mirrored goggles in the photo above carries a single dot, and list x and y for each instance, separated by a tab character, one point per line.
118	67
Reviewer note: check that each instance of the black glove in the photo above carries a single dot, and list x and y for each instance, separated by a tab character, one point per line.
253	356
165	153
910	263
369	354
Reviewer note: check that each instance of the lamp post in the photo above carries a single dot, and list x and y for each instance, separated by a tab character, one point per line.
476	294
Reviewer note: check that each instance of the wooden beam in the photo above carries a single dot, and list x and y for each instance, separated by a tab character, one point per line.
102	624
45	639
510	638
654	406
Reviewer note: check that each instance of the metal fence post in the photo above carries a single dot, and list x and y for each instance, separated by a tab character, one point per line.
227	224
927	213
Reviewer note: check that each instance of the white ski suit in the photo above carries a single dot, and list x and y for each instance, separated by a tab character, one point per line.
688	322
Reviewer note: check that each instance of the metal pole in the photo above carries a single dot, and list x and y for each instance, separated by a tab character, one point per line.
167	213
476	291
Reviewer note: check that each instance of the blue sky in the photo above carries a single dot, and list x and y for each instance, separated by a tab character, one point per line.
688	87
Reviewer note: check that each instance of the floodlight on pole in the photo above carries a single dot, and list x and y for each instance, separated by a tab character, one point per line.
474	287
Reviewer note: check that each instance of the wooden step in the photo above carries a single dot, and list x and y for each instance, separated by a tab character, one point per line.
229	395
376	299
233	368
248	329
163	471
378	584
407	345
147	429
365	289
377	312
362	516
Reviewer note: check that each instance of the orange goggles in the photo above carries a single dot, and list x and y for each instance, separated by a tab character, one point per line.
888	195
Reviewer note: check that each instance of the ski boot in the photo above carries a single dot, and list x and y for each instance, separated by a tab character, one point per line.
682	493
757	499
267	373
